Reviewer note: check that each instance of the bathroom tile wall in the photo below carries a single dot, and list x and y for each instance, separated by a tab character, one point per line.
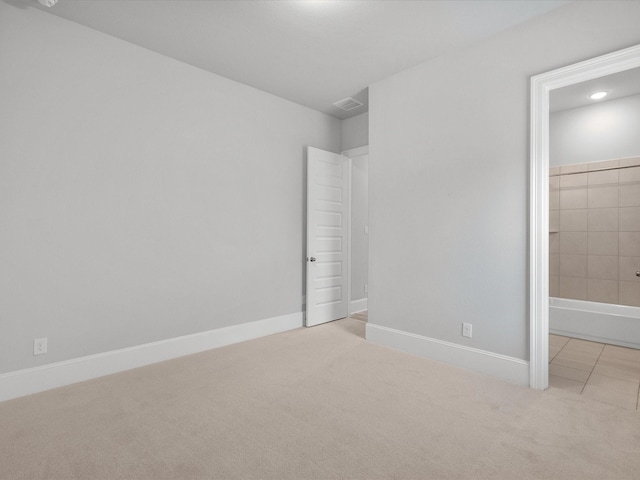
594	231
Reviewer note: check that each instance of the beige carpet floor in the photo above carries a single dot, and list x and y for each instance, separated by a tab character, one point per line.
317	403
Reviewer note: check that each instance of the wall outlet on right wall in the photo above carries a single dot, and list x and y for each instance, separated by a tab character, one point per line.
466	330
39	346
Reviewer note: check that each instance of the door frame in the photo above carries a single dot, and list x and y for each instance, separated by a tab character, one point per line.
541	85
352	152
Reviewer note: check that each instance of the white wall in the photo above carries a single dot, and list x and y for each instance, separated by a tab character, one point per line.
140	198
601	131
448	173
355	131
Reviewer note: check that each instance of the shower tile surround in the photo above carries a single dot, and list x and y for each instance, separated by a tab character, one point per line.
594	231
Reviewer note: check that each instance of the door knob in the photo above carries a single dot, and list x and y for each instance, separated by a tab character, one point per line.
312	259
638	273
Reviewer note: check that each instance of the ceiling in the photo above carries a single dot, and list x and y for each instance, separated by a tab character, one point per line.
618	85
312	52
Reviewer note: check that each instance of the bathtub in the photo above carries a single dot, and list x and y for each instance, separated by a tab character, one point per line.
598	322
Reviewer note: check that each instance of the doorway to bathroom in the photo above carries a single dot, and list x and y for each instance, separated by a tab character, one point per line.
594	238
592	229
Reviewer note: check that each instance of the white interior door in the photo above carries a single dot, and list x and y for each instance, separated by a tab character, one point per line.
327	236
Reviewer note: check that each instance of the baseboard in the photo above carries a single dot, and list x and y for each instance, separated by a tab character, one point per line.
511	369
357	305
38	379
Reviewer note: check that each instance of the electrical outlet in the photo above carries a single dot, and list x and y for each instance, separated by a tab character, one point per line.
366	288
39	346
466	330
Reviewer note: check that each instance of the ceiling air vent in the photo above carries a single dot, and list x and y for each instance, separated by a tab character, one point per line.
348	103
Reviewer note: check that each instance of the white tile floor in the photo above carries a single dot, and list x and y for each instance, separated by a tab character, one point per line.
607	373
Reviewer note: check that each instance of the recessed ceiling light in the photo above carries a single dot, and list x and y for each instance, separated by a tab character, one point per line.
598	95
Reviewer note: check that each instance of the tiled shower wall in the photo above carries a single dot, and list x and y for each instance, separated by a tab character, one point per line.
594	231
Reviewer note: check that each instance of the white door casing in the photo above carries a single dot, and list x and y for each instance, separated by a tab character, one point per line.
327	236
541	85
